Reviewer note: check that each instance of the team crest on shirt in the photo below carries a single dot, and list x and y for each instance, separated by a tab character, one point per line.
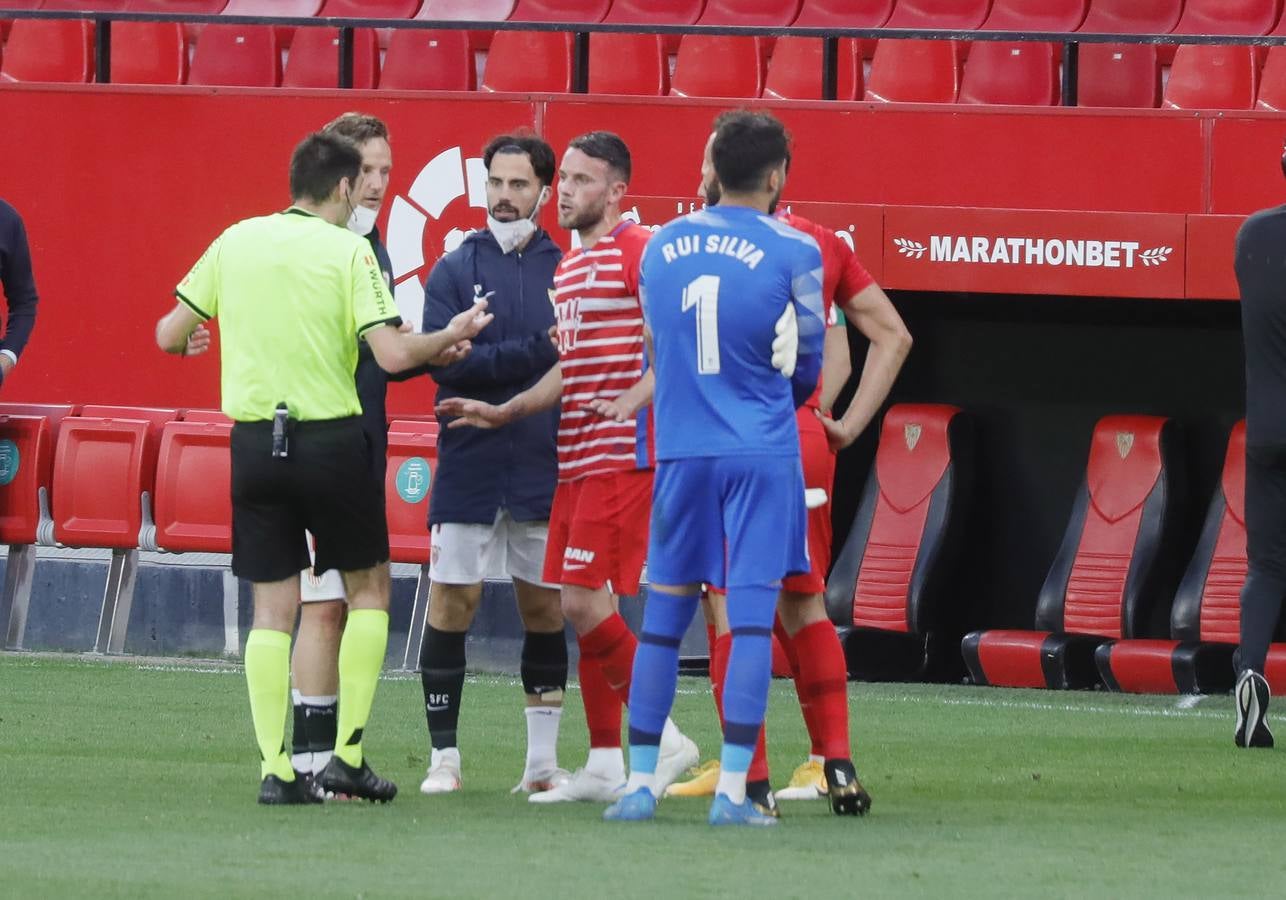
911	433
567	312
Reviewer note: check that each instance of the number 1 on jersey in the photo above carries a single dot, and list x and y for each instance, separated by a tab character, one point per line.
703	293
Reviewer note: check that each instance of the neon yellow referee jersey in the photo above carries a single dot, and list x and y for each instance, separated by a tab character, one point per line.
293	294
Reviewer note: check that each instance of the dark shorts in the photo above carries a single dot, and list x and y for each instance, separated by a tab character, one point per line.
1266	508
325	486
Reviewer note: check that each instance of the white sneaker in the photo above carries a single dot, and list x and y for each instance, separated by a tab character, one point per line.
584	786
444	772
673	761
539	782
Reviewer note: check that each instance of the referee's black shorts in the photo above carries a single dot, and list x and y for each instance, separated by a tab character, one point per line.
325	485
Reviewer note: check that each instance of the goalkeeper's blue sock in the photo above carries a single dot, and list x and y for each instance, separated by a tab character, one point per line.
656	673
745	688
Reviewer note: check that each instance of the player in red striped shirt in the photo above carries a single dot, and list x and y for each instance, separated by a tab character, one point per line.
598	528
803	628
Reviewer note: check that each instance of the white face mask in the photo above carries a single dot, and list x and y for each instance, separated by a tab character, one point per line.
361	221
511	235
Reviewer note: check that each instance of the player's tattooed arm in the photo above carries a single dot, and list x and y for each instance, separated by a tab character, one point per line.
466	413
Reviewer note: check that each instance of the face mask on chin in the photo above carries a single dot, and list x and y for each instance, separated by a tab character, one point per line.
512	235
361	221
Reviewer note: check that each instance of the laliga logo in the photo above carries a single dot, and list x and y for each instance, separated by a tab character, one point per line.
446	178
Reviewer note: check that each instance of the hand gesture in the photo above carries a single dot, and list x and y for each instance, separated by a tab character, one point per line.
837	435
470	413
608	409
198	341
467	324
456	352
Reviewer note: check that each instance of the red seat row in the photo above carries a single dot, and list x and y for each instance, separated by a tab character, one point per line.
103	476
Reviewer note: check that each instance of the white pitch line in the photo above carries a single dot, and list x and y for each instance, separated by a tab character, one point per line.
1180	711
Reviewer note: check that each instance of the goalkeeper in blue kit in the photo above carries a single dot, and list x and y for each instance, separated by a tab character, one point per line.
725	291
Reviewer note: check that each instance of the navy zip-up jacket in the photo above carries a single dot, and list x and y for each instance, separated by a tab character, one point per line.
19	284
514	467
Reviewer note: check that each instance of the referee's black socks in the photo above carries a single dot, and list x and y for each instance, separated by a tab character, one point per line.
442	664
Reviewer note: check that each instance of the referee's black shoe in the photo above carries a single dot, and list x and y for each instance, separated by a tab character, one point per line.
760	794
340	778
846	794
1251	694
275	792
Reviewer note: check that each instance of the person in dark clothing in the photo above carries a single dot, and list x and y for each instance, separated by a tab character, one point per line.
491	499
19	288
1261	276
314	662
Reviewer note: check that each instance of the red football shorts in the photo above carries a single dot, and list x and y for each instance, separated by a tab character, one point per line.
819	472
598	531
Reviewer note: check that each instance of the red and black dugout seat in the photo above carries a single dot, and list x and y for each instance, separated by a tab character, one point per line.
1206	617
1111	568
894	575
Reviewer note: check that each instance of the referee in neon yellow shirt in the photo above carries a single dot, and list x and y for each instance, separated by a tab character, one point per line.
291	291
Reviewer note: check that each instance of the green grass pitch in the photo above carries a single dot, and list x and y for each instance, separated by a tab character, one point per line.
137	779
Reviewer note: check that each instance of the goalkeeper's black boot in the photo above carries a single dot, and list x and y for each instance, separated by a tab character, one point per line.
846	794
275	792
340	778
760	794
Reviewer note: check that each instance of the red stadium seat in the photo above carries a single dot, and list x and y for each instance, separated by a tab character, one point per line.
844	13
1272	81
26	472
237	55
718	66
5	25
1205	621
198	416
913	71
193	500
54	412
955	15
1036	15
1132	17
764	13
656	12
1021	74
560	10
102	468
536	61
1118	75
1212	77
86	5
1109	572
628	64
429	61
412	461
795	71
1229	16
893	580
370	9
314	59
149	53
156	417
294	9
49	51
468	11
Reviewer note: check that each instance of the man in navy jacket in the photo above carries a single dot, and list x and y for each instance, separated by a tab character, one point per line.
19	287
492	493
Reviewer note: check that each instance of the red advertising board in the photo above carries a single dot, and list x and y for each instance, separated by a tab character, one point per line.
1211	243
1034	251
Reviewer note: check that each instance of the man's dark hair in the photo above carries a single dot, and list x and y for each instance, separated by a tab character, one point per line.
358	126
608	147
319	162
539	152
747	146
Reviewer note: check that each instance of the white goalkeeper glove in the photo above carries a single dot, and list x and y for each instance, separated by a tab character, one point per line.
785	346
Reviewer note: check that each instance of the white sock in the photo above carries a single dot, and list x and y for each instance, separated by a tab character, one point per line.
813	757
607	761
542	737
320	759
671	737
302	762
450	755
641	780
733	784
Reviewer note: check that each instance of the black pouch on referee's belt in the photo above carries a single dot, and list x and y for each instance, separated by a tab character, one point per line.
280	432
